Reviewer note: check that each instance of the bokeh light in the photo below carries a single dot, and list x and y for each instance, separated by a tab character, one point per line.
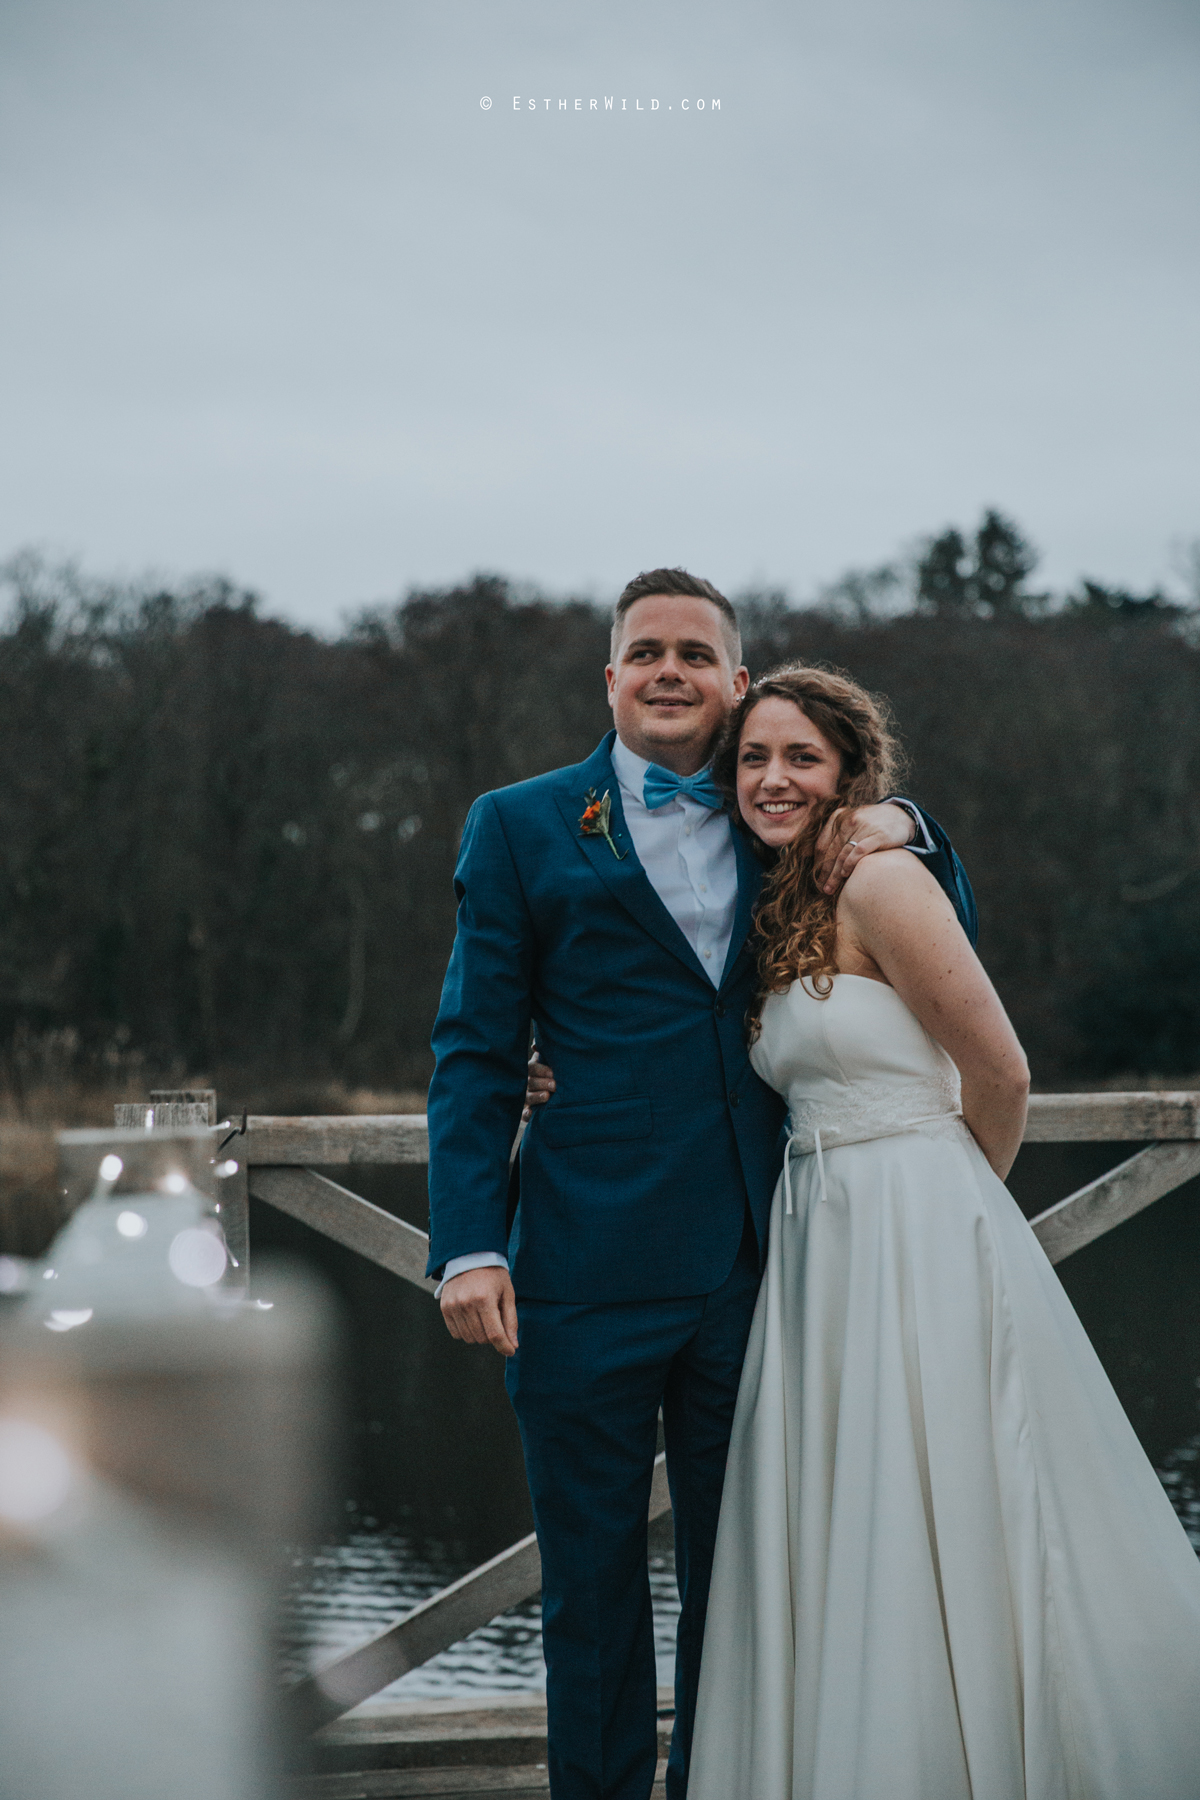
196	1257
67	1318
35	1471
12	1275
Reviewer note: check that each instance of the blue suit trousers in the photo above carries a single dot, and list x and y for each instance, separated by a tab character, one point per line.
587	1383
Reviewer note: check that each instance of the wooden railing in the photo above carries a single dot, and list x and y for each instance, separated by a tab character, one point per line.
280	1154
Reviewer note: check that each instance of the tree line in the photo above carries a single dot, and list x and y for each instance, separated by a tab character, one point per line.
227	843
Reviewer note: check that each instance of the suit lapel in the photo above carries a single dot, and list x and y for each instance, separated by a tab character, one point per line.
749	883
626	880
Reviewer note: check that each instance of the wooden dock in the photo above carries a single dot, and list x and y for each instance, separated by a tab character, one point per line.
411	1750
357	1747
282	1161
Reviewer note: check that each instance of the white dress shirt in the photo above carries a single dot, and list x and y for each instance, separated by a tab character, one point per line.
686	850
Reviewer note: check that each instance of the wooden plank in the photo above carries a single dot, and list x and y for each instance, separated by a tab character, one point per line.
444	1619
1115	1197
497	1730
346	1218
1121	1118
520	1743
334	1139
234	1203
497	1740
523	1782
660	1493
404	1137
520	1783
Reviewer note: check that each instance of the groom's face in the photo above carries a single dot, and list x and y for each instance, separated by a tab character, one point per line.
672	683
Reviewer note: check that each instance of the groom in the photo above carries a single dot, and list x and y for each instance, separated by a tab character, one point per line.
608	907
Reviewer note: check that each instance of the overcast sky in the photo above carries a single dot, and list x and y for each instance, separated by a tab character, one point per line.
282	299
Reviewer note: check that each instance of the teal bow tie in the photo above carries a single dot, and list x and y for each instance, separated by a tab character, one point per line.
661	785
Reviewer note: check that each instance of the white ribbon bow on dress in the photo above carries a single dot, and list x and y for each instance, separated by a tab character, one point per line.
795	1136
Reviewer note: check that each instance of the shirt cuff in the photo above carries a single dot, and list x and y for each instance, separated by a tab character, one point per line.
479	1259
927	847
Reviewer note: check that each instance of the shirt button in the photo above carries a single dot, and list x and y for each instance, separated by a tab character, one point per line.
704	887
687	831
708	953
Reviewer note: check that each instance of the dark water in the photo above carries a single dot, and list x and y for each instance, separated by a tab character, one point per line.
432	1482
359	1585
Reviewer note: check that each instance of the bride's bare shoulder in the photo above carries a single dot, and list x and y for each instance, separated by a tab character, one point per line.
892	908
890	879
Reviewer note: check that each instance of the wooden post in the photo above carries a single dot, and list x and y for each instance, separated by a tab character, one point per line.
168	1109
233	1198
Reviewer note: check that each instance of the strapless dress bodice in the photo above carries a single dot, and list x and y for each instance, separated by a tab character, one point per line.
854	1066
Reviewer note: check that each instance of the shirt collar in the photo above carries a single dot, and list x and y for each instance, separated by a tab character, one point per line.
629	768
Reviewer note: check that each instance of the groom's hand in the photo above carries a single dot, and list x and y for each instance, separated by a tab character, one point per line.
849	835
480	1307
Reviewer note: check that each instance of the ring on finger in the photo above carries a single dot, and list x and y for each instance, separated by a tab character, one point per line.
852	844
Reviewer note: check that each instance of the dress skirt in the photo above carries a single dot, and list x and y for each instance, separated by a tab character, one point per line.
945	1569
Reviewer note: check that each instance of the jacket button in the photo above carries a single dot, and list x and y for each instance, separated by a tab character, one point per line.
720	1009
735	1099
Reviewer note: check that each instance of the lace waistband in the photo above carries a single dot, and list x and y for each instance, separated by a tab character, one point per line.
863	1126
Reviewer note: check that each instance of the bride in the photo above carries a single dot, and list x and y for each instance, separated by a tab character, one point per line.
945	1570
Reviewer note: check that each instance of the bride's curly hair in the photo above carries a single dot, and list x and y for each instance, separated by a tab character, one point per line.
796	923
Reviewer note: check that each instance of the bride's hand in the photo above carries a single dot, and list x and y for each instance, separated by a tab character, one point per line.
539	1085
849	835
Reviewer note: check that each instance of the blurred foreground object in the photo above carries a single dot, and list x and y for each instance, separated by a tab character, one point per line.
42	1181
171	1109
161	1439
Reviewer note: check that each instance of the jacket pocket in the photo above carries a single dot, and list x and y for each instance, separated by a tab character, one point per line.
594	1122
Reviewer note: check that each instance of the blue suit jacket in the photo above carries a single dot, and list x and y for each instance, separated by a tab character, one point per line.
635	1177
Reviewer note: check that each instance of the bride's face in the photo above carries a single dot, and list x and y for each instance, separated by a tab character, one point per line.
784	764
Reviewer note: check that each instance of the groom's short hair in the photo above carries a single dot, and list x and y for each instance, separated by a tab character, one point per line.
691	587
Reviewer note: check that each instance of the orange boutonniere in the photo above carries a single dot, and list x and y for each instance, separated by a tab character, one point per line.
595	820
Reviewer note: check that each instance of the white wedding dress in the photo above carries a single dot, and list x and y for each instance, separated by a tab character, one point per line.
945	1569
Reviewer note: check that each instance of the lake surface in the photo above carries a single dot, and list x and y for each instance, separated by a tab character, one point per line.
432	1482
348	1590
